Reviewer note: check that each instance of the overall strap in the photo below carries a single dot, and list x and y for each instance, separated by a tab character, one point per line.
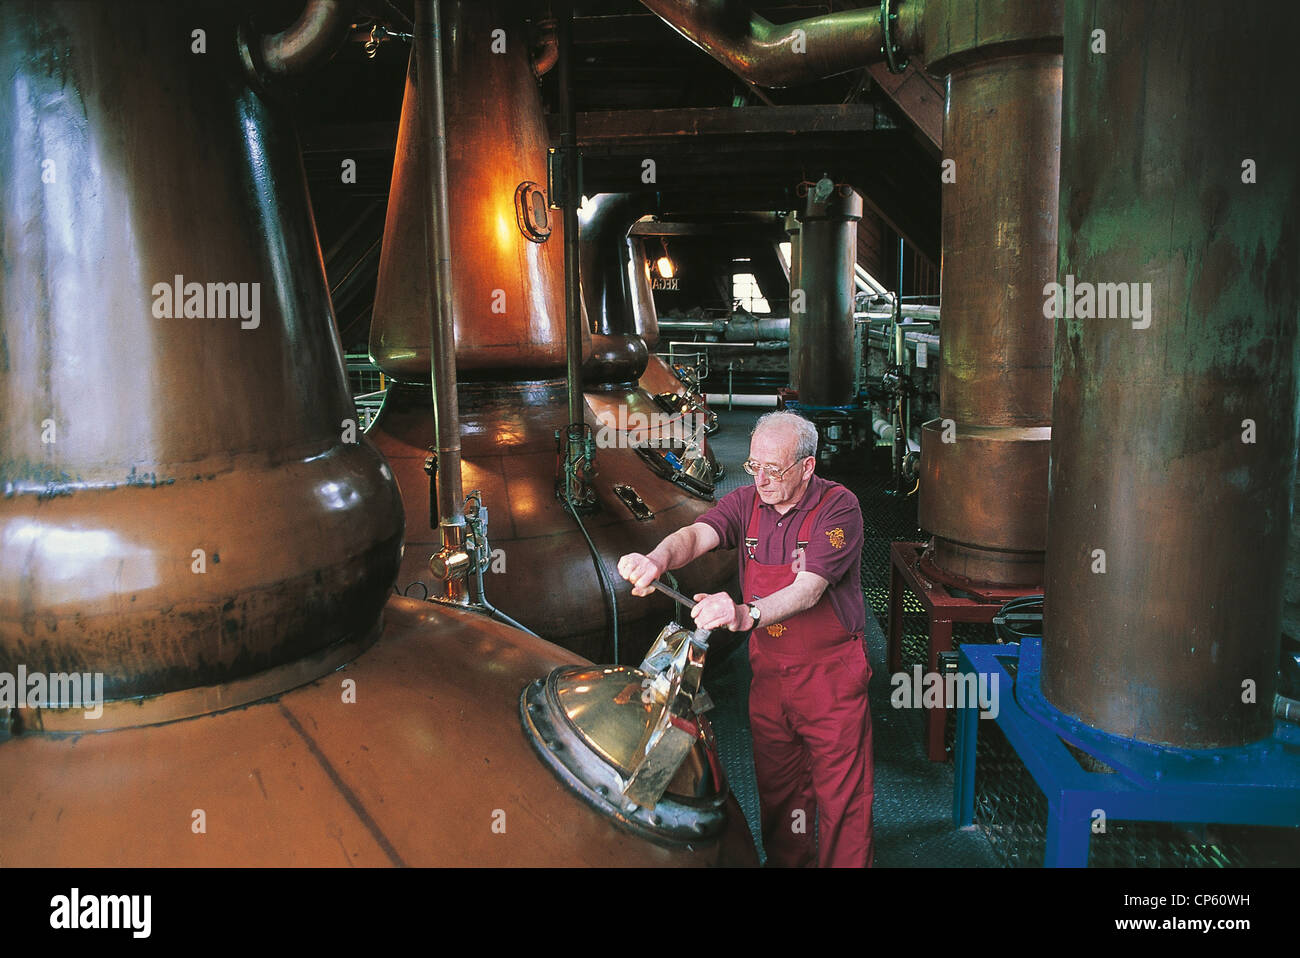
751	531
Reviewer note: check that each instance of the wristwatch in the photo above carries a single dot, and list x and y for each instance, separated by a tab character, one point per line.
754	613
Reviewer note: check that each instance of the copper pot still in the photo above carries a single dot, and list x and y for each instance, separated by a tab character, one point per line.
508	298
190	520
187	499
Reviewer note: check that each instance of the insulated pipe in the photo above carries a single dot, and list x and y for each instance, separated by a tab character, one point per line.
779	55
911	340
316	35
773	329
867	281
437	248
748	400
927	314
883	428
1174	426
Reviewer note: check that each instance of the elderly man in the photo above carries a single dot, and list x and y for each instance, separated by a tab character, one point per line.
800	547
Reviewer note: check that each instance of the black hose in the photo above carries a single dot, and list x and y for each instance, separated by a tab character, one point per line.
495	613
481	600
407	591
605	584
1021	618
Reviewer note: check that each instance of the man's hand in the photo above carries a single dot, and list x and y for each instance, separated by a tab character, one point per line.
717	611
641	571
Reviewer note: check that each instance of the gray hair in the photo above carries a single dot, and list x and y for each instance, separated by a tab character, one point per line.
804	431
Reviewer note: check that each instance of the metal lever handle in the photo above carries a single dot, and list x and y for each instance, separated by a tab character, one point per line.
673	594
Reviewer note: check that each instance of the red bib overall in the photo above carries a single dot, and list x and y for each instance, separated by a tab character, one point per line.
810	722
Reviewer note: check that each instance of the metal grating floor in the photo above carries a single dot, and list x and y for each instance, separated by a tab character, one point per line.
913	803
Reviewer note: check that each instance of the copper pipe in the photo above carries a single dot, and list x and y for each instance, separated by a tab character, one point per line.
446	483
572	255
1155	470
546	47
777	55
316	35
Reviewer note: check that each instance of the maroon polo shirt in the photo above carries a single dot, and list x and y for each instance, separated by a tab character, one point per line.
834	542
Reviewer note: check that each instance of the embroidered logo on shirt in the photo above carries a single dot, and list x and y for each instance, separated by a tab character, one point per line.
776	631
836	536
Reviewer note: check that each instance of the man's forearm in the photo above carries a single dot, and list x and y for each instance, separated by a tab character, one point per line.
678	548
798	596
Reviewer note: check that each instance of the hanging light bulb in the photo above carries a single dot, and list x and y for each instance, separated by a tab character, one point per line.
664	265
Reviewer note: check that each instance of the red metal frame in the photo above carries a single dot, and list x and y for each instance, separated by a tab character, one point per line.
908	569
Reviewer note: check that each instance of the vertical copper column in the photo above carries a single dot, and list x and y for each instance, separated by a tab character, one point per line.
1175	424
829	248
576	332
445	490
185	498
984	460
797	297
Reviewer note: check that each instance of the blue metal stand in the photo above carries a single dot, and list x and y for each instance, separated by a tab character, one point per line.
1256	784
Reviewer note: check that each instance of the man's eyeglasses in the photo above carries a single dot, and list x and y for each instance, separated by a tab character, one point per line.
753	468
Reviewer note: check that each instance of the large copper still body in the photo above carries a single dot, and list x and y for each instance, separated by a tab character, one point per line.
509	315
186	499
187	508
1174	443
